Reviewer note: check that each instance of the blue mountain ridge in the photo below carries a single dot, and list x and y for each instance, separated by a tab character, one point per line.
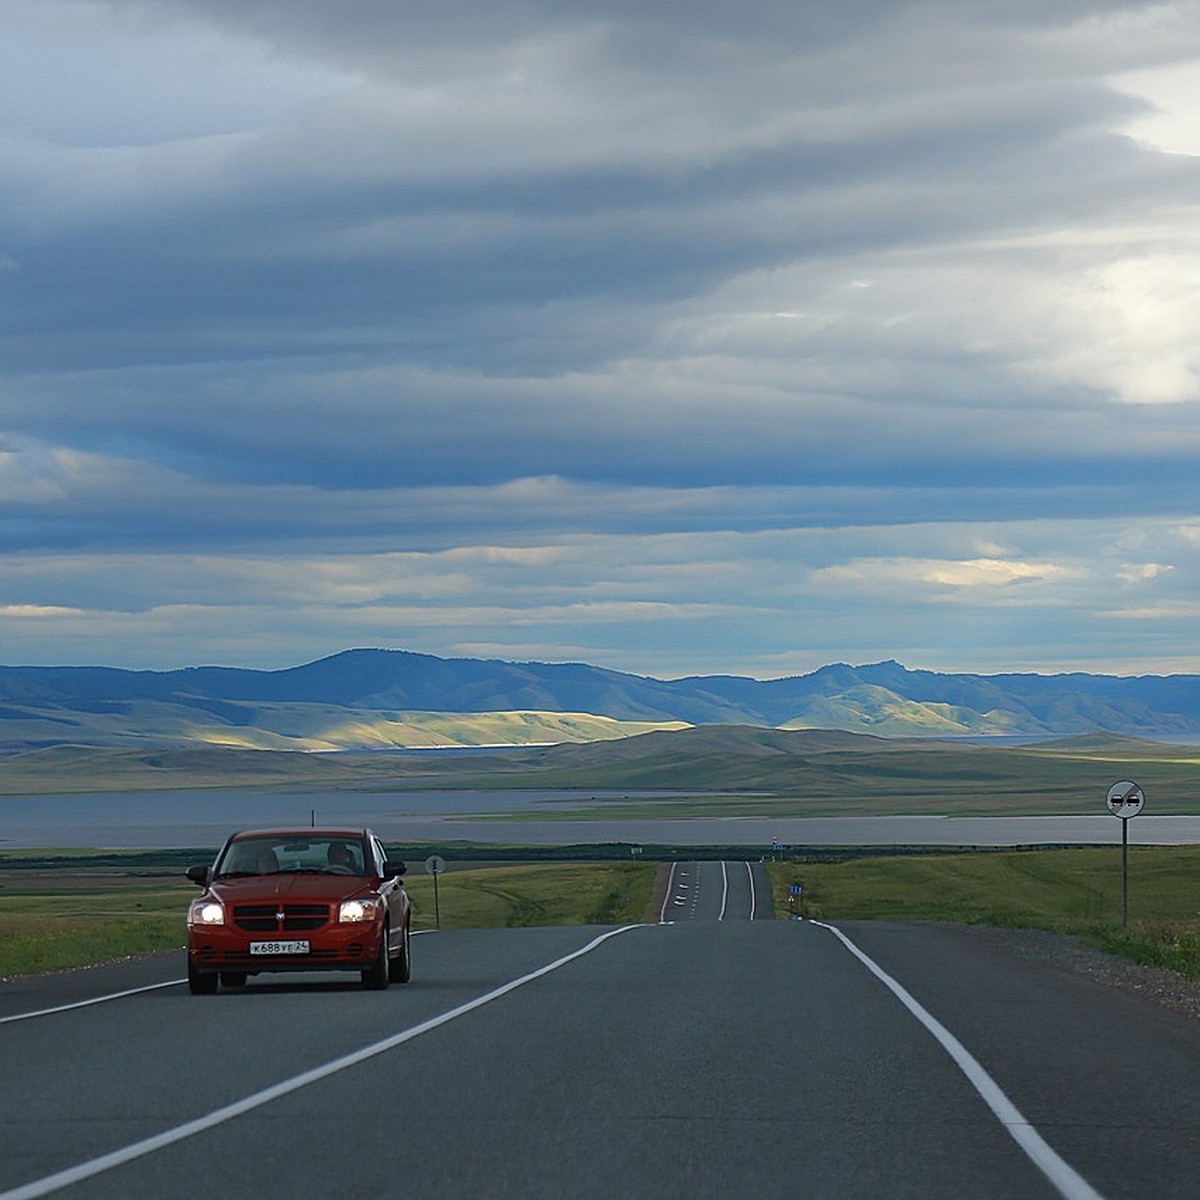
879	697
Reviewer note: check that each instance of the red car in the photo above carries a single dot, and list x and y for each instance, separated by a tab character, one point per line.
298	900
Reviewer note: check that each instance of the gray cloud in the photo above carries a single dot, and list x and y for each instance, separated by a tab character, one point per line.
376	278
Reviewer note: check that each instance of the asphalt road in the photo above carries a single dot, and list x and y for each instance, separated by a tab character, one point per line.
716	891
701	1058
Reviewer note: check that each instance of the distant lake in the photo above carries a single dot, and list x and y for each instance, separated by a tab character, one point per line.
142	820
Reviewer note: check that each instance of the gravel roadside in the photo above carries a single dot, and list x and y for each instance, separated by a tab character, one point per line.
1160	986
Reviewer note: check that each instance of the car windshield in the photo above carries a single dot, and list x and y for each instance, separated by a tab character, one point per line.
322	854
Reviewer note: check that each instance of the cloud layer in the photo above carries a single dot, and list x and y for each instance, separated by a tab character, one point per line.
674	338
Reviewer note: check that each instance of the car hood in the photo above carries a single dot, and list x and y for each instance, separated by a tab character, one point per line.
289	886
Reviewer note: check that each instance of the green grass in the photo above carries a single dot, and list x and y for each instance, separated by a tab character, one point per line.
32	945
49	925
1066	891
68	917
547	894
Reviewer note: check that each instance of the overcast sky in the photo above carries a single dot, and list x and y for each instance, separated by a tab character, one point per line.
727	336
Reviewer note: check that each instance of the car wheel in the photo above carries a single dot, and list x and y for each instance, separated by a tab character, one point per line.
400	967
200	983
233	979
376	975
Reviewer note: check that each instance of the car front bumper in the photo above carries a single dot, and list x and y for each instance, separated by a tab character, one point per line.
351	947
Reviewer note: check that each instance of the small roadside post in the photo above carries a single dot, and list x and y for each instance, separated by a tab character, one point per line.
1125	800
435	865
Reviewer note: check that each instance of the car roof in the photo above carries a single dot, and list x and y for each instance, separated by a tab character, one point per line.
301	832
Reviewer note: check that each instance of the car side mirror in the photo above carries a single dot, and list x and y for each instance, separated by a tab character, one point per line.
199	875
393	870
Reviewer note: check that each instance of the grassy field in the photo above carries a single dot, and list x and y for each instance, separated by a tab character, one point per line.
548	894
68	917
53	920
1069	891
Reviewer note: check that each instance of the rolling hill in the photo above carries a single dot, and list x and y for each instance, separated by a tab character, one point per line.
713	770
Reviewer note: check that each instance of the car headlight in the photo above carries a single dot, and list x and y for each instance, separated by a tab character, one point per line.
358	910
206	912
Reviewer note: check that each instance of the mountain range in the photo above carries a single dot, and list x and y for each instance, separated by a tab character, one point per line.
375	699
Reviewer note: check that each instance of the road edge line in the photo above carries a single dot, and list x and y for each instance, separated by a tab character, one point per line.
662	915
151	987
136	1150
46	1012
1069	1183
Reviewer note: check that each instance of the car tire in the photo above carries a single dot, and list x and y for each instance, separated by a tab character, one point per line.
400	967
200	983
376	976
233	979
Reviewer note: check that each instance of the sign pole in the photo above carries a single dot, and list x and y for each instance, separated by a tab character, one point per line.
1124	872
1125	800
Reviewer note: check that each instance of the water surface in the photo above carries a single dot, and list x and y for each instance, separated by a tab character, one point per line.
141	820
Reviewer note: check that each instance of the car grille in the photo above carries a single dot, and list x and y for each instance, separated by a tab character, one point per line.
262	918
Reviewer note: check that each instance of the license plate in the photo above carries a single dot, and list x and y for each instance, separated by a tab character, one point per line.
294	947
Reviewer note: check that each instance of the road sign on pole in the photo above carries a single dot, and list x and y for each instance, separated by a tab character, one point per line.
1125	800
435	865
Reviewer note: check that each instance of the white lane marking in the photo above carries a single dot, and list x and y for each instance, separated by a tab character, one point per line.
753	901
106	1162
152	987
724	890
45	1012
1069	1183
662	916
